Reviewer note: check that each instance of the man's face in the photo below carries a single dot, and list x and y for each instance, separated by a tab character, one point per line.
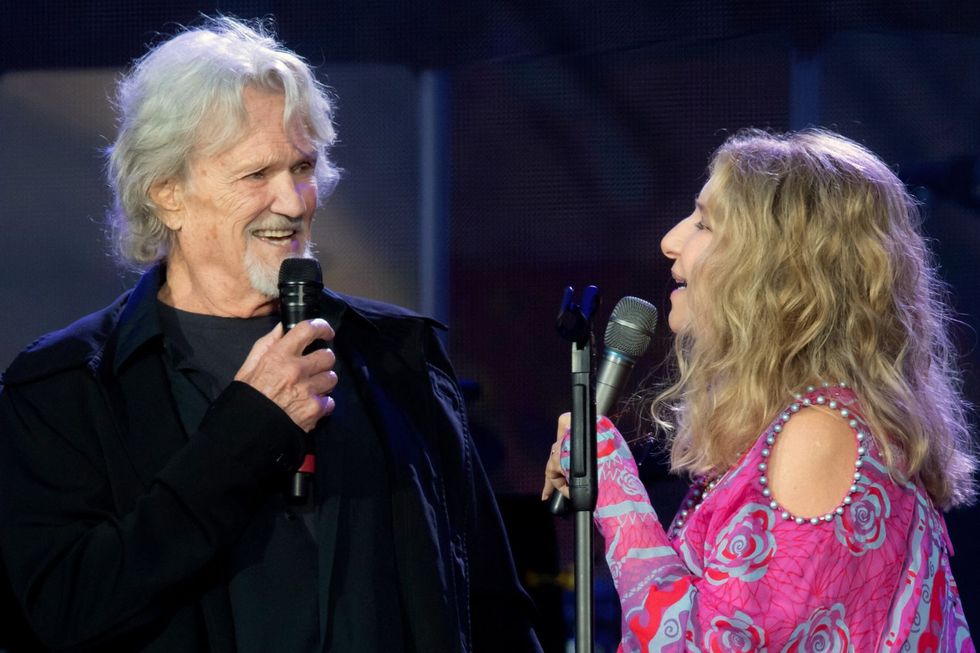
247	207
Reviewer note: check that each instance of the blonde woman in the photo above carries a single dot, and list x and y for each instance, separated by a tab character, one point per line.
816	408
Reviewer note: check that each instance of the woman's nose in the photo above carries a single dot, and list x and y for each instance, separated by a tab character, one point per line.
670	244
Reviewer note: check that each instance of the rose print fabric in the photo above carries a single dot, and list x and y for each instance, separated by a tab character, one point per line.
736	572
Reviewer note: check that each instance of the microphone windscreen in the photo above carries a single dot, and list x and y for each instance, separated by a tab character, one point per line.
300	270
630	327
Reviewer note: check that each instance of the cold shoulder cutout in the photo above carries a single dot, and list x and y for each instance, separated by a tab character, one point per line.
811	466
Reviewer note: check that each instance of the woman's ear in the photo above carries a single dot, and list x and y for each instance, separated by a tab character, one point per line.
168	197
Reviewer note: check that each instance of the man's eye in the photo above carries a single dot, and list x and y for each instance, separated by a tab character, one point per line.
259	174
303	168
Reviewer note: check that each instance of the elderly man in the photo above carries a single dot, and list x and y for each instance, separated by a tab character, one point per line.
145	449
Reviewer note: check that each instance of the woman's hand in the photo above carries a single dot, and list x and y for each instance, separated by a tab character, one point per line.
554	477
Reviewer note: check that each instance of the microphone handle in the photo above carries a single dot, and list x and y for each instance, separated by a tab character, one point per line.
299	302
613	372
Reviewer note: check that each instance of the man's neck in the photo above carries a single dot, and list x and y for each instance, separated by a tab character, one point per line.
212	293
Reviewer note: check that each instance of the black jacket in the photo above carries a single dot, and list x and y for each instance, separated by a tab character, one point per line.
114	522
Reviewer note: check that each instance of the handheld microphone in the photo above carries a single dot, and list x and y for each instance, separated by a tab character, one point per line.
627	338
300	286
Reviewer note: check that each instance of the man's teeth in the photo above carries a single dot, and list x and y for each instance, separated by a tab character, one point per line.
274	233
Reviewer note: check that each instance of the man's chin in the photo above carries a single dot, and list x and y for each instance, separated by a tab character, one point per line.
264	274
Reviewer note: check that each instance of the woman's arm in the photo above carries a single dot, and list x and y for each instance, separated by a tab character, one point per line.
754	578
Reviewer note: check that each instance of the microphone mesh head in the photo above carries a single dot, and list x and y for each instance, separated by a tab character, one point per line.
630	327
300	270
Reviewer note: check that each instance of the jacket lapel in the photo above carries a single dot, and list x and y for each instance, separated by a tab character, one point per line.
132	368
144	439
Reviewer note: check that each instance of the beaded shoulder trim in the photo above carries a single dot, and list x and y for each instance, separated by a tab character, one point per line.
817	396
826	394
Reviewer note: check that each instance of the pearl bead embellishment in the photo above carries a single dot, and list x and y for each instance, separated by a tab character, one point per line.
861	452
698	495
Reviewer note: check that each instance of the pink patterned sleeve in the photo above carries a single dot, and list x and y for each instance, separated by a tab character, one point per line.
740	573
656	589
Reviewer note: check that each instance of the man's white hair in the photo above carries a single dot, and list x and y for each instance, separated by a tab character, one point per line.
188	93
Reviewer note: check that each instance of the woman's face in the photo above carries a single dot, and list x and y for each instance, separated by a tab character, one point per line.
685	245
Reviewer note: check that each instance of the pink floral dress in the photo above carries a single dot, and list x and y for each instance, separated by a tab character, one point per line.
737	572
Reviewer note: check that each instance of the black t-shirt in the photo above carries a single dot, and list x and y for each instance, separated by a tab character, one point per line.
204	353
208	349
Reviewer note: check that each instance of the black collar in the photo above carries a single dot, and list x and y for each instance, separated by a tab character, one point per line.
139	322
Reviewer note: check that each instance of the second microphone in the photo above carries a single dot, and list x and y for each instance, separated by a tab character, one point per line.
627	338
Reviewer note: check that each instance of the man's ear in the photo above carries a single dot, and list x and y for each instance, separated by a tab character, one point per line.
168	196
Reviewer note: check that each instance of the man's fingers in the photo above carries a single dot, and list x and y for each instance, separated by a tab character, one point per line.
262	344
320	360
301	335
322	384
260	347
275	334
299	384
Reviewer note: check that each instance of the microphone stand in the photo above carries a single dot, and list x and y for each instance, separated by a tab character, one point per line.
575	324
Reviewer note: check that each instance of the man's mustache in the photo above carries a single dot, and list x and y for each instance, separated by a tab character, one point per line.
278	223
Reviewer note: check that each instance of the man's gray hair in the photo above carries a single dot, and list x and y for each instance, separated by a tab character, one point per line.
194	81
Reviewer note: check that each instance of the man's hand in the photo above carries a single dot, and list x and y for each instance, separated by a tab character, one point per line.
299	384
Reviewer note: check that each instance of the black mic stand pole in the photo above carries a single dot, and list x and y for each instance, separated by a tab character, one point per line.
575	324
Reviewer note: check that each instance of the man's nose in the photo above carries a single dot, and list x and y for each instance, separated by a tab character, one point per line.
289	200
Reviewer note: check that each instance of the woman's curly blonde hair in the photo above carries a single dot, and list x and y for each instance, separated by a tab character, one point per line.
816	271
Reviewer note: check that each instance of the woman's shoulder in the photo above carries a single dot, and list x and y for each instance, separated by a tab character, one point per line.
814	459
815	463
872	544
818	456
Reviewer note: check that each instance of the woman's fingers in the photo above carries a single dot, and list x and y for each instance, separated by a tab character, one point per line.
554	478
